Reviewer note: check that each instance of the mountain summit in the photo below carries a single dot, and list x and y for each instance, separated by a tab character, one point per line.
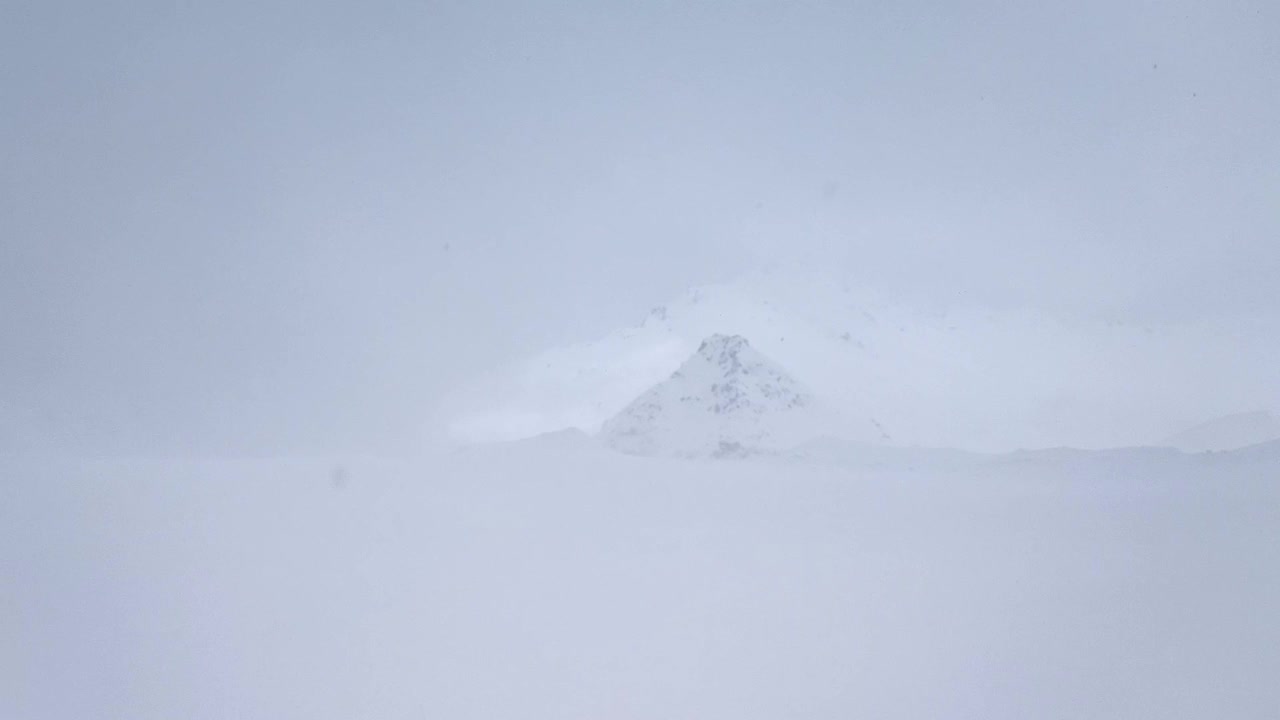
727	399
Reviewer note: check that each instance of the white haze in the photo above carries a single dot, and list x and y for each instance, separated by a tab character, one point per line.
272	275
269	227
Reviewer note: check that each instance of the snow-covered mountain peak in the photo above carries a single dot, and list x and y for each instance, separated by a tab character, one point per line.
741	379
725	399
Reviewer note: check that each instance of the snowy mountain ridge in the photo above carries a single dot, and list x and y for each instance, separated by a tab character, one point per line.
963	376
1228	433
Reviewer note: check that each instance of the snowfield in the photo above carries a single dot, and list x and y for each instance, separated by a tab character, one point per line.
552	578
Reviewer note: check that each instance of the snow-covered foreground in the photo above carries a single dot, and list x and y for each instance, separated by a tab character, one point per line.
551	579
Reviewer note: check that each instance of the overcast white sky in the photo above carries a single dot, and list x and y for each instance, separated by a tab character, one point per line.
231	227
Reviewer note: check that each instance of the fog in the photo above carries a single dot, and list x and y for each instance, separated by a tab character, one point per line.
284	227
639	360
